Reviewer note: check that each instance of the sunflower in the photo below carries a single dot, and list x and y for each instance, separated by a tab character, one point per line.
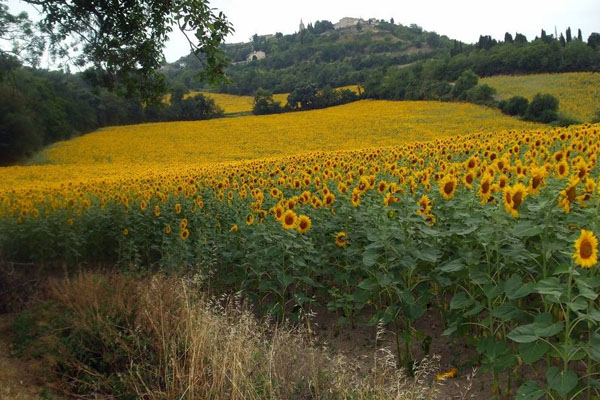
586	249
143	205
562	169
304	224
249	219
485	188
289	220
177	208
355	198
514	197
448	186
168	229
382	187
278	212
538	174
329	200
341	239
425	205
568	195
468	180
183	224
125	232
184	234
234	228
156	211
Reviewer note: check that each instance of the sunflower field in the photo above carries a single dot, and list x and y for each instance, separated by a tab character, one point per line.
578	93
493	233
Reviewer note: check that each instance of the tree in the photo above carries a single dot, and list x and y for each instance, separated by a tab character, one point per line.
543	108
304	95
516	105
520	38
264	103
126	39
579	36
392	20
568	34
594	40
465	81
508	38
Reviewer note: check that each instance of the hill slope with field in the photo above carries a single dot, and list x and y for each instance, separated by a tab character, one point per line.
578	93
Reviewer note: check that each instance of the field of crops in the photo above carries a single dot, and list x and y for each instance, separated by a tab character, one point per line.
578	93
385	218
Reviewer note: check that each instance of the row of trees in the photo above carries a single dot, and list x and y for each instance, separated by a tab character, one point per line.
306	96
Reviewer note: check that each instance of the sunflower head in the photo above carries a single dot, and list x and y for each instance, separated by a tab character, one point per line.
341	239
304	224
289	220
448	186
586	249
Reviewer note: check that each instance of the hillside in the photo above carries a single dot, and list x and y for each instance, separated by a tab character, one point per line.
578	93
328	56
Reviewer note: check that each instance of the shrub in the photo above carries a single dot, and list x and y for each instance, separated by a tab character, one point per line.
543	108
516	105
481	94
264	103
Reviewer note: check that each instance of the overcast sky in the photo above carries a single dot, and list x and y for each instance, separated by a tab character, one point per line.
458	19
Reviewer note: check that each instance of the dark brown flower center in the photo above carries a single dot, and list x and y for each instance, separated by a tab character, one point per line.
585	250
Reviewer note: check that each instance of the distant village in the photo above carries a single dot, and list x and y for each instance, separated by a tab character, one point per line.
345	23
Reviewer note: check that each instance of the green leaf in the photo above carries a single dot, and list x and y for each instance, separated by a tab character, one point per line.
561	382
531	352
368	284
476	309
370	257
515	288
523	334
543	326
452	266
525	229
507	311
593	348
550	287
585	290
460	301
529	391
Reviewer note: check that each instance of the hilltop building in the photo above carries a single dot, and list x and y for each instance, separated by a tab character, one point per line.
348	22
255	55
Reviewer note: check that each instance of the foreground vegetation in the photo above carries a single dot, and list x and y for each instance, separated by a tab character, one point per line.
137	337
495	233
578	93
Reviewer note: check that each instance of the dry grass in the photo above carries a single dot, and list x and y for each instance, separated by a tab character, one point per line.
155	338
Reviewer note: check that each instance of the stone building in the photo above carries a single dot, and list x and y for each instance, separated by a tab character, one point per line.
255	55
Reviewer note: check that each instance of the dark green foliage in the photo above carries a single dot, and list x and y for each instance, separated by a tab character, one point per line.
126	39
303	96
481	94
465	81
516	105
542	108
194	108
594	40
264	103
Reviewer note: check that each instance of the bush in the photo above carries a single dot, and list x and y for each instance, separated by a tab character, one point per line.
516	105
264	103
543	108
481	94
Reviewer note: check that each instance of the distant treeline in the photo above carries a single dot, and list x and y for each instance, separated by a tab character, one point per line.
39	107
